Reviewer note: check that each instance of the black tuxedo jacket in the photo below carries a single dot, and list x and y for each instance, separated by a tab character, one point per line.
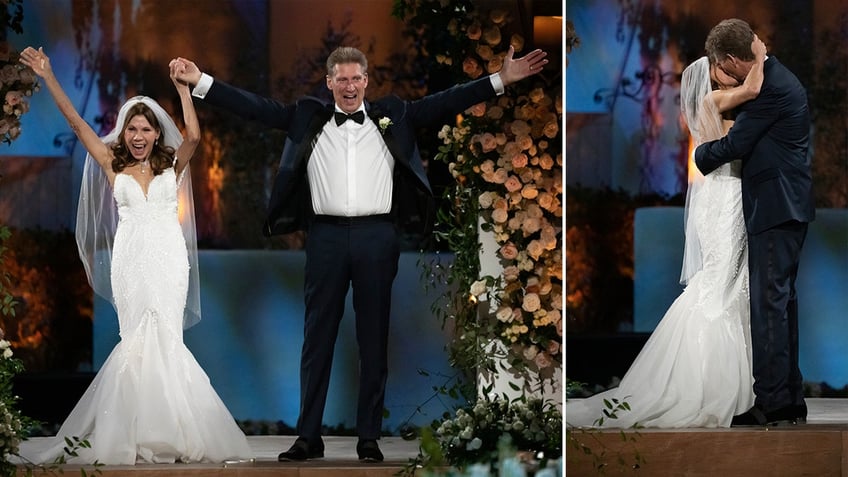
290	206
771	136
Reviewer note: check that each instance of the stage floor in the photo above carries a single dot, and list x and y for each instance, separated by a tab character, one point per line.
819	447
340	460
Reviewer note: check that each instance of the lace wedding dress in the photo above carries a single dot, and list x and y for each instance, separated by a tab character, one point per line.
150	402
695	369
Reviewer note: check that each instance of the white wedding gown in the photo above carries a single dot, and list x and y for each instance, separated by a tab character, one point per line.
695	369
150	402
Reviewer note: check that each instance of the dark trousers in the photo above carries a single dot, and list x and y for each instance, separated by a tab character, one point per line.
773	257
361	255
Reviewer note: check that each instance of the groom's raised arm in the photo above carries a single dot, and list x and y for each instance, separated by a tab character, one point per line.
245	104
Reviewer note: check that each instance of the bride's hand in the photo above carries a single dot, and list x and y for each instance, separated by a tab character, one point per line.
759	48
177	69
37	60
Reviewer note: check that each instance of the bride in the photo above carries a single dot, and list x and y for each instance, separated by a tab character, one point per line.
150	402
695	369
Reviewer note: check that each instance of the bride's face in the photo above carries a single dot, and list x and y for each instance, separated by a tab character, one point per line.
721	79
139	136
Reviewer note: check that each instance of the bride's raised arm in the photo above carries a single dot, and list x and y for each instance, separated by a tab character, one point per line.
191	137
40	65
729	98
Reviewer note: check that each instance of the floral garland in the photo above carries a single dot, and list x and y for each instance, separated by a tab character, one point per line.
16	84
478	434
12	422
506	159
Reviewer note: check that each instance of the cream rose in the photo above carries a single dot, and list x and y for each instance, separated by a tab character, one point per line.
531	302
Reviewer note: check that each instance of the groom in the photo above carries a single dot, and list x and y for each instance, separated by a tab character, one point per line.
771	136
350	171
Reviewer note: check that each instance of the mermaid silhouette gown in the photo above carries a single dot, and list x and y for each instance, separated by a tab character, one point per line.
150	402
695	369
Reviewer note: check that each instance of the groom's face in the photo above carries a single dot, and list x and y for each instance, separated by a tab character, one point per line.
348	83
734	67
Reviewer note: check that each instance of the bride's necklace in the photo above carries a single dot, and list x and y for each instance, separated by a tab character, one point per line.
144	165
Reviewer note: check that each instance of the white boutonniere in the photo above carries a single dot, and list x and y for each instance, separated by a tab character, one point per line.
383	123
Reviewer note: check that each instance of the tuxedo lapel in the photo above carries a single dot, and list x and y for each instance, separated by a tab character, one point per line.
316	124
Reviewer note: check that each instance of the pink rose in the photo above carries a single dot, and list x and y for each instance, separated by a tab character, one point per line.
519	161
525	142
509	251
498	16
471	68
492	35
510	273
501	176
536	94
531	302
517	42
520	128
545	200
529	192
488	141
556	302
495	112
485	52
551	129
499	215
548	237
553	347
546	162
504	314
478	110
543	360
512	184
494	64
511	148
14	98
530	226
474	31
535	249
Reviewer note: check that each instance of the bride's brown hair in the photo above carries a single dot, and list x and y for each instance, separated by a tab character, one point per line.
161	157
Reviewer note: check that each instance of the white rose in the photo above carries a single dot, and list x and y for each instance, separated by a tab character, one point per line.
478	288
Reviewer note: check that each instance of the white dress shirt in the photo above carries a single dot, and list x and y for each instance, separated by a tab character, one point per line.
350	170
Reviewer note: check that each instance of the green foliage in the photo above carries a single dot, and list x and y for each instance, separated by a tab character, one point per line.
7	301
586	442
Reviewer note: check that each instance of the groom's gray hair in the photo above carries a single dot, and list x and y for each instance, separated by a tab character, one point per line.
346	54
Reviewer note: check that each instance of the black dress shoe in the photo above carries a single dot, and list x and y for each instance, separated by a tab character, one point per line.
301	450
368	451
801	412
791	414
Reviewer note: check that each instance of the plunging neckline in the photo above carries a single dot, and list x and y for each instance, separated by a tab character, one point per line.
143	191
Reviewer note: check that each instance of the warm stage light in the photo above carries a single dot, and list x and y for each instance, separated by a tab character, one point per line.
547	31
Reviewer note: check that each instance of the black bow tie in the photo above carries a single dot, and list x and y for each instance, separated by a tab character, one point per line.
358	116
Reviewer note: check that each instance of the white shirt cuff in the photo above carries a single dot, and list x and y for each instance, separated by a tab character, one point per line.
202	86
497	83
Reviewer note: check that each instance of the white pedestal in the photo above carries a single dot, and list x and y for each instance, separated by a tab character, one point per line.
507	381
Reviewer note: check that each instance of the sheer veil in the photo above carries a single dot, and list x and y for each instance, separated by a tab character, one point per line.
97	215
704	122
